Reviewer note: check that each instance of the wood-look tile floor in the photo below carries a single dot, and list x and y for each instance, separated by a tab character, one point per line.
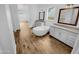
28	43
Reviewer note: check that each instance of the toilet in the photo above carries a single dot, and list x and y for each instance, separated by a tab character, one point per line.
40	30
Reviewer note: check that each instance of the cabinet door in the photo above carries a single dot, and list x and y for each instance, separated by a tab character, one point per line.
63	35
52	30
76	46
57	33
68	37
71	38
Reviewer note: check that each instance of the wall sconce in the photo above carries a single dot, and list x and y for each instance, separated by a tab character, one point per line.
69	5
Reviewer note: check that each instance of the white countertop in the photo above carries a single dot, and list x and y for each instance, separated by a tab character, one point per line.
72	29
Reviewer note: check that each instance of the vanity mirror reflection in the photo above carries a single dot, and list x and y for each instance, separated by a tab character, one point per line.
69	16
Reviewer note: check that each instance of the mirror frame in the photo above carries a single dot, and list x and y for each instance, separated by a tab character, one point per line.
68	23
43	15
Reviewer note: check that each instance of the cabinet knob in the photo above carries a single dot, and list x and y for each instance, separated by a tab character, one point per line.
59	33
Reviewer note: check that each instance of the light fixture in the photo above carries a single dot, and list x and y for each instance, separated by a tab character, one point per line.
69	5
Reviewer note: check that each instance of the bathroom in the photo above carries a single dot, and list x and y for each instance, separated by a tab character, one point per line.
39	28
43	21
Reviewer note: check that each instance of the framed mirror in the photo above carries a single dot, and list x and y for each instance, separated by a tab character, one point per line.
69	16
41	15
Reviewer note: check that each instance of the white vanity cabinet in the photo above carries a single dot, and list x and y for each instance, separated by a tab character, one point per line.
64	35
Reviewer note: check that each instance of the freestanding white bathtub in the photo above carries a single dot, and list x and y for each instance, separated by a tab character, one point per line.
40	30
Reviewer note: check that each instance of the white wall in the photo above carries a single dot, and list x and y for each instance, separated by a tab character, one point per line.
28	13
23	12
14	16
45	7
7	43
31	12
